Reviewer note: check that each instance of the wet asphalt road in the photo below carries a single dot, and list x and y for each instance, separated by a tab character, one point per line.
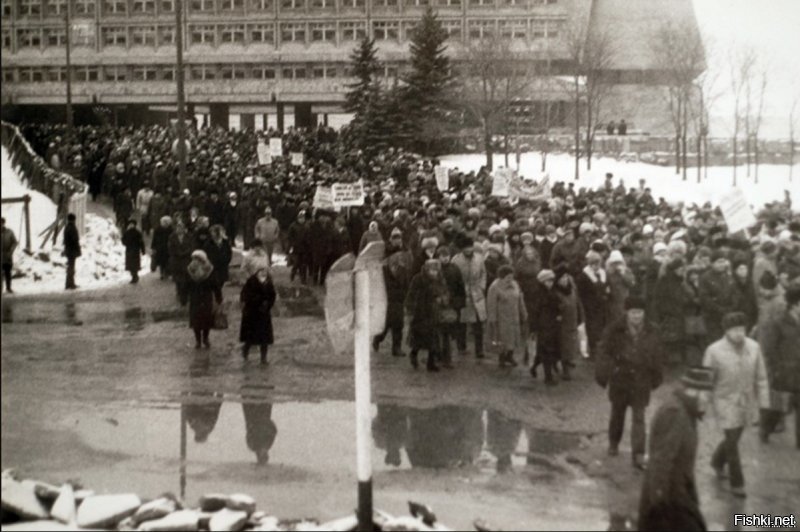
97	384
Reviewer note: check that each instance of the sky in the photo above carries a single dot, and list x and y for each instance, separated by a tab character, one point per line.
772	28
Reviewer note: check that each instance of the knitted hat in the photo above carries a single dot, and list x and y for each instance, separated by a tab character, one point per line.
429	242
546	275
616	256
635	302
585	227
734	319
659	247
504	270
561	269
443	251
698	378
526	237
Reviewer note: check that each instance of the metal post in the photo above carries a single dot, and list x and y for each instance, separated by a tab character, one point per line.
68	24
183	453
179	79
27	199
363	400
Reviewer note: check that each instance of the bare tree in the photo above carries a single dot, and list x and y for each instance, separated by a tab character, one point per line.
707	93
756	121
680	51
742	64
794	118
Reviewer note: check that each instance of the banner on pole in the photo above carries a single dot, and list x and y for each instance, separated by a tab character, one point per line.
348	194
501	178
442	178
323	198
737	212
297	158
530	191
263	153
276	147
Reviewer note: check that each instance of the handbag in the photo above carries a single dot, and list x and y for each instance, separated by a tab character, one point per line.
220	317
696	326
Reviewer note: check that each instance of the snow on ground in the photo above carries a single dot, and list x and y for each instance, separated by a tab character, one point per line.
103	255
773	179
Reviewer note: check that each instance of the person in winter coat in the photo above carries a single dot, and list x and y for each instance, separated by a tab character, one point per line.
157	209
669	302
570	251
134	249
695	335
669	498
267	232
180	254
143	199
594	293
571	312
506	316
547	320
300	247
159	247
218	250
629	365
740	381
766	260
254	260
123	206
72	249
779	337
9	246
492	262
427	296
456	299
745	295
473	313
372	234
717	296
525	271
620	283
321	236
257	299
232	214
203	291
396	275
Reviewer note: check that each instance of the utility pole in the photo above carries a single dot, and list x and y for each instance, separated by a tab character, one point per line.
179	78
68	35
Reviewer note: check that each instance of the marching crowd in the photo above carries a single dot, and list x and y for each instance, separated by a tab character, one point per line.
647	283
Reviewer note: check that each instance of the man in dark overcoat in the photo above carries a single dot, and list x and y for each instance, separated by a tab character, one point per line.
134	249
72	249
396	275
426	297
629	364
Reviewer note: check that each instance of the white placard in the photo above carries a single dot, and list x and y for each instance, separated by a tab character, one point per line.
276	147
297	158
323	198
263	153
348	194
737	212
442	178
501	179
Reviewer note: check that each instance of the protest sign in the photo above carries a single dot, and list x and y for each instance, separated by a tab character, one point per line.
263	153
737	212
276	147
530	191
323	198
348	194
501	179
297	158
442	178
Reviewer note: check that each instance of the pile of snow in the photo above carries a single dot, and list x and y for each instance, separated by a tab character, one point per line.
662	180
43	211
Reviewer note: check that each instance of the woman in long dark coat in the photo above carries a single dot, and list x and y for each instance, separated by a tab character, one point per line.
670	301
548	329
159	247
219	252
258	298
203	290
180	254
427	296
594	292
134	249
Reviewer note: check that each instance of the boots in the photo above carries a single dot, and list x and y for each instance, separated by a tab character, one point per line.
264	355
414	361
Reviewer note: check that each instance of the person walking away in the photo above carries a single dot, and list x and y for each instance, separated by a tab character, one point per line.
9	246
779	337
571	312
180	254
525	271
695	325
629	365
669	498
745	293
547	322
232	214
456	298
72	250
396	274
257	298
159	247
740	381
218	250
203	292
267	231
134	249
426	297
594	292
473	313
299	248
506	316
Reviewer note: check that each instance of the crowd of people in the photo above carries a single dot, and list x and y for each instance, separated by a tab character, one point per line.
645	282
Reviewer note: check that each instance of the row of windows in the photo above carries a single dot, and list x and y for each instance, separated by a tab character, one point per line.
288	32
192	72
36	8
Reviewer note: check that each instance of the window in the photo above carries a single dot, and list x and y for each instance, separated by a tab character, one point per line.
24	75
232	5
55	36
200	6
232	34
293	32
115	73
417	3
115	36
56	7
261	5
450	3
324	71
261	72
352	4
84	8
386	30
115	7
7	39
8	75
262	33
481	3
166	35
353	31
453	29
144	73
385	3
166	73
202	34
293	72
233	72
323	31
552	29
292	4
29	38
7	8
143	35
30	7
323	4
537	29
480	29
143	7
86	73
201	72
167	6
514	28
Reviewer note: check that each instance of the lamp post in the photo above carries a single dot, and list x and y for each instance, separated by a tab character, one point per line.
68	35
179	78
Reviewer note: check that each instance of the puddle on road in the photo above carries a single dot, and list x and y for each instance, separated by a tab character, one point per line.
297	301
75	314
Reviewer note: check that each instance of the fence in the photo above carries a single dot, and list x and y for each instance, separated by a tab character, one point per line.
68	193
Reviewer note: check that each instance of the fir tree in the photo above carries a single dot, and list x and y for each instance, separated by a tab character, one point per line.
365	69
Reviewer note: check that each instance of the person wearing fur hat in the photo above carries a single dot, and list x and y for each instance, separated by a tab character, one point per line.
571	312
299	243
427	298
669	301
745	295
134	249
594	293
257	298
203	291
159	247
717	296
456	300
546	321
629	364
740	383
621	282
427	251
669	499
506	316
473	313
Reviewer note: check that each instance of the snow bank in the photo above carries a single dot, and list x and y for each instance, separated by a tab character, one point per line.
43	211
773	179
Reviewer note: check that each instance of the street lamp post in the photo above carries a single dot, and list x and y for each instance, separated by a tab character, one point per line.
179	78
68	35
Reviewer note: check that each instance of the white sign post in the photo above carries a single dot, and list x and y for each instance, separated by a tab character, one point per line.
737	212
276	147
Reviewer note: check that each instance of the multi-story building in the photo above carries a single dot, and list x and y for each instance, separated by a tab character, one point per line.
260	63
